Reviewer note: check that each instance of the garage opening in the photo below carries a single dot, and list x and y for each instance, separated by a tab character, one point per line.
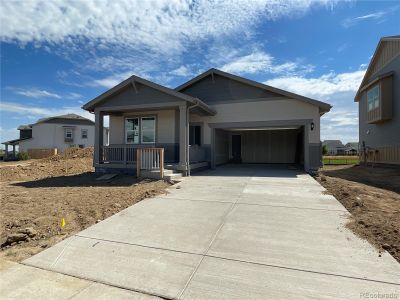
283	145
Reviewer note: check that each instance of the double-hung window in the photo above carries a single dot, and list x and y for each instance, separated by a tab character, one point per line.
84	133
132	130
373	95
68	134
148	128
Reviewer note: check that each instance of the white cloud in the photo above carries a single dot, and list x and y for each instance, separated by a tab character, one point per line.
182	71
252	63
262	62
38	111
72	96
111	81
320	87
36	93
163	26
336	89
378	15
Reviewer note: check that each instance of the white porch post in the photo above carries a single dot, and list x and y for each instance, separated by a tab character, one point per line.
183	138
98	136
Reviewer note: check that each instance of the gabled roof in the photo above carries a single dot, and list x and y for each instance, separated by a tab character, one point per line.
131	81
372	62
324	107
333	143
63	117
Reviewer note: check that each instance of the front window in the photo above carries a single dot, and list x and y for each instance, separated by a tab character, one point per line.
68	133
194	135
373	95
132	131
84	133
148	130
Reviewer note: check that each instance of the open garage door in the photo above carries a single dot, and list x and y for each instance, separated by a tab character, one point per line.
284	145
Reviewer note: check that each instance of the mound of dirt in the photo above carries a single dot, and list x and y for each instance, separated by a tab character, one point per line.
371	196
36	195
71	153
71	161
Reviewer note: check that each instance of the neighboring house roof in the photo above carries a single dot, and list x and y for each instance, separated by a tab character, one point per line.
324	107
25	127
352	145
15	142
67	117
364	83
131	81
333	143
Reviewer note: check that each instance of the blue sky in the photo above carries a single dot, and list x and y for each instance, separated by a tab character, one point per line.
57	55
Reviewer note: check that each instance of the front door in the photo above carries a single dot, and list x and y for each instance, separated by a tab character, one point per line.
237	148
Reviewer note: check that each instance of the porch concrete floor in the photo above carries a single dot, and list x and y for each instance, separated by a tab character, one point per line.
238	232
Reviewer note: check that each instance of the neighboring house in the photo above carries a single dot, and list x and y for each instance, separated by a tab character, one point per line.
351	148
378	100
213	119
59	132
334	147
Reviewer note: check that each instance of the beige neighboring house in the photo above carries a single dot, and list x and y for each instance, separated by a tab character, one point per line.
54	134
334	147
213	119
379	105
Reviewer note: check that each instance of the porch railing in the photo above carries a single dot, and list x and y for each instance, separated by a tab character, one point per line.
125	154
150	159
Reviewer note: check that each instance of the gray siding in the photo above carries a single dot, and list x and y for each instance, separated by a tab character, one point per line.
221	146
388	132
222	89
144	95
315	155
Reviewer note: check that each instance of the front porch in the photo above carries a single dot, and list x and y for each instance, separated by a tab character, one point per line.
144	115
124	158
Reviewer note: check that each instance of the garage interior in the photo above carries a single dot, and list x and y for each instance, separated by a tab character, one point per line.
270	145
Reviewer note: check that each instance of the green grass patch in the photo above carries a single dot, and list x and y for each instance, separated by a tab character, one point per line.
341	161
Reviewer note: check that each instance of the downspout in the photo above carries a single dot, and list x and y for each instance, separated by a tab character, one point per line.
187	137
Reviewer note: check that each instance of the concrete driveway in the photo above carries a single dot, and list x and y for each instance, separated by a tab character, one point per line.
238	232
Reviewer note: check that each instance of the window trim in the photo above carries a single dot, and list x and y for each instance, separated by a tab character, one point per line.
126	131
87	133
377	85
66	134
154	130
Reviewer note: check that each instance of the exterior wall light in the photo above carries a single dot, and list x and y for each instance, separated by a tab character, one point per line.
312	126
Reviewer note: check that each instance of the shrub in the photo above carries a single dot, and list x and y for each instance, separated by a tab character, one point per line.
324	150
23	156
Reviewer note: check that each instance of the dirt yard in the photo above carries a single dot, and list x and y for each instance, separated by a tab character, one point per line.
372	196
37	194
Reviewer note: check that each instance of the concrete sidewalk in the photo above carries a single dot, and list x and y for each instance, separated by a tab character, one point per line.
18	281
237	232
